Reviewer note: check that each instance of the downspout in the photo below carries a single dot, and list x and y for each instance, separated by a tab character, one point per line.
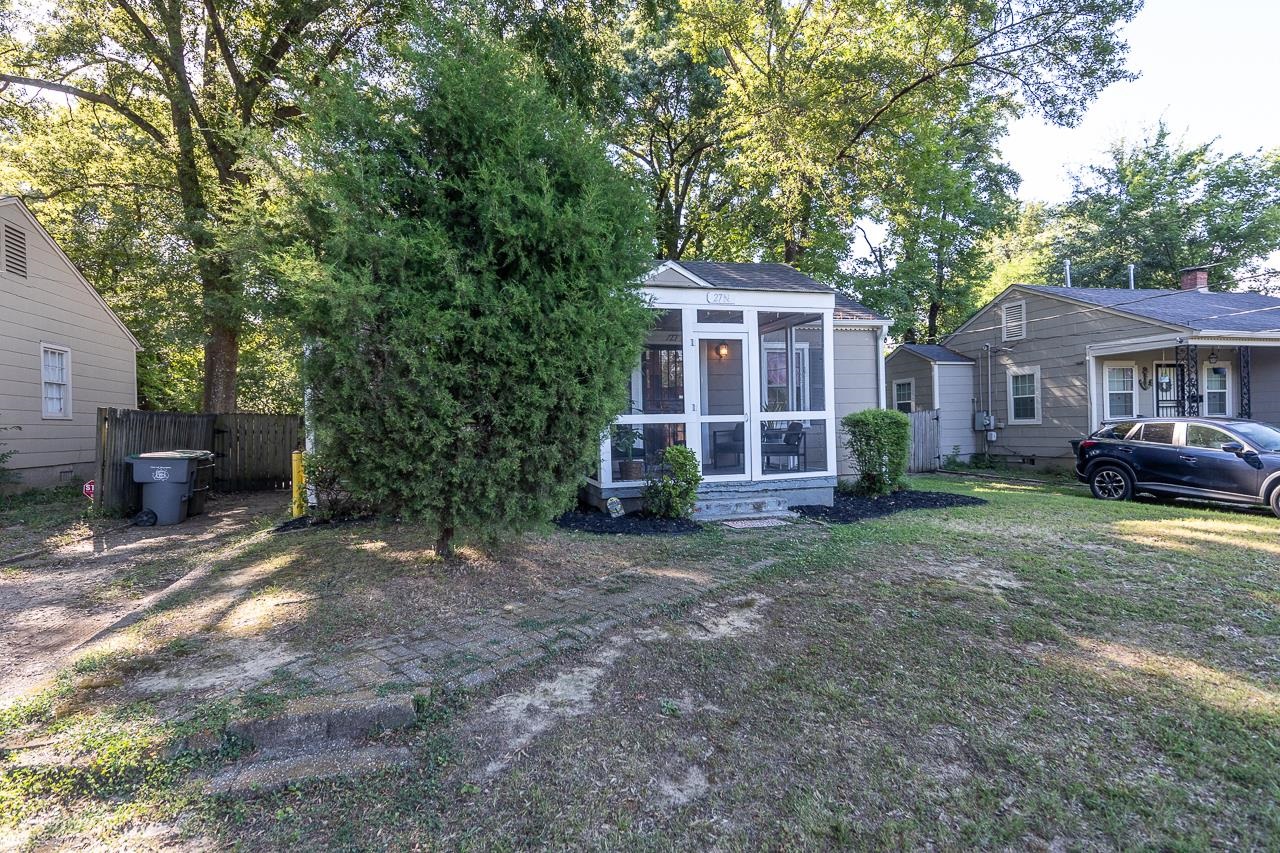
880	331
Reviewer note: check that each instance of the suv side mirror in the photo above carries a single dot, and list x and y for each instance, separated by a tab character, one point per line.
1233	447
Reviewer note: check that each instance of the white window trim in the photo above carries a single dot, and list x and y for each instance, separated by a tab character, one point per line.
1107	392
66	398
1204	389
1030	370
1004	323
912	399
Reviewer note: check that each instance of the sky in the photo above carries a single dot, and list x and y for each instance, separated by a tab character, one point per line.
1209	68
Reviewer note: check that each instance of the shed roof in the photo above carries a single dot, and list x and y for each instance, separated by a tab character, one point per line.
1195	309
847	309
933	352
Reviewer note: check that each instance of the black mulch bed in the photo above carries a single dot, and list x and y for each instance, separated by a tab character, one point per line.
633	524
850	508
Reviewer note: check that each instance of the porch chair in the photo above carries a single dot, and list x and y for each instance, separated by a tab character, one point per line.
788	444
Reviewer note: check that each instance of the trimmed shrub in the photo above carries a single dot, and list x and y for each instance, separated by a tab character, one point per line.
673	491
879	442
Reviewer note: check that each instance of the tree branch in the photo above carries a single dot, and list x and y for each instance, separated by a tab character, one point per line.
92	97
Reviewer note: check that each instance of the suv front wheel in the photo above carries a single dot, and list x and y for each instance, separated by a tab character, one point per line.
1111	483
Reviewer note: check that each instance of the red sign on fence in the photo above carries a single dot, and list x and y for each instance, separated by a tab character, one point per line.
88	489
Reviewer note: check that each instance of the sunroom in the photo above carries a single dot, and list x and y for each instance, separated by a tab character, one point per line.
738	368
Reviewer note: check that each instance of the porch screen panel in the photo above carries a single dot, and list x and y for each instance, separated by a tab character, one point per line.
793	446
657	385
636	449
792	362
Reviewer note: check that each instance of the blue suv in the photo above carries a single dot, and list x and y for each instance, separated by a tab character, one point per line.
1235	461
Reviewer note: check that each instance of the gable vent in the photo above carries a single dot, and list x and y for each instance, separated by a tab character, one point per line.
1015	321
15	251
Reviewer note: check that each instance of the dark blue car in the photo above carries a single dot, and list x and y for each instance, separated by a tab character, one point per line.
1215	459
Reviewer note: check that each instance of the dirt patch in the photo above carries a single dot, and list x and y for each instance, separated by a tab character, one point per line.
969	572
635	524
241	662
740	615
684	790
850	508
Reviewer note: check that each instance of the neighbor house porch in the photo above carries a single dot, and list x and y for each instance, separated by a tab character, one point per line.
1220	376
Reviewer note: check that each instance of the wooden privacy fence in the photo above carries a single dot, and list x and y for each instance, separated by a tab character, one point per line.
251	451
925	455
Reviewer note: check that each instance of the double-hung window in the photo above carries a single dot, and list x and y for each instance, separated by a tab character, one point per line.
55	381
1217	384
1024	395
1122	395
904	396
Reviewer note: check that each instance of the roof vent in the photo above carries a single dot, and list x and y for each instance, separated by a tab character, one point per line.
15	251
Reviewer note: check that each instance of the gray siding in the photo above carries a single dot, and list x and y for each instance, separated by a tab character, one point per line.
52	306
856	383
1057	333
955	411
1264	363
902	365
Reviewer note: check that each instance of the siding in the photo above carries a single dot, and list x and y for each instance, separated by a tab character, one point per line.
51	305
856	365
1057	333
903	365
1264	370
955	411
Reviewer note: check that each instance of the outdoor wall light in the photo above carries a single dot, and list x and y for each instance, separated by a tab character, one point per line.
723	350
1213	356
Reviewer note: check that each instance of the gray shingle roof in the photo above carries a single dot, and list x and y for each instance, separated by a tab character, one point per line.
933	352
847	309
742	276
1194	309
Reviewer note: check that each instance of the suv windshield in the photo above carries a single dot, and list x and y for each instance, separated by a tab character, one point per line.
1262	436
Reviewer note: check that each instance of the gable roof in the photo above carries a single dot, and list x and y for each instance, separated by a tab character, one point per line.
769	276
14	201
1193	309
935	353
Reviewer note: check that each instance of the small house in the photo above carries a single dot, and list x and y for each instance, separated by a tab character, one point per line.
752	366
63	353
1050	364
927	377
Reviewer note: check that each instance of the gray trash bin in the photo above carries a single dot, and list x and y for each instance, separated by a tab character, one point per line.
167	478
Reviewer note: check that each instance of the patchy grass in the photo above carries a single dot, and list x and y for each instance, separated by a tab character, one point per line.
1043	671
46	518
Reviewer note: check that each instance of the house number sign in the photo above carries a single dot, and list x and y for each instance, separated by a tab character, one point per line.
719	299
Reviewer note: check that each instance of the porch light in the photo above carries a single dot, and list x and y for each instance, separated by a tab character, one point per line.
723	350
1213	356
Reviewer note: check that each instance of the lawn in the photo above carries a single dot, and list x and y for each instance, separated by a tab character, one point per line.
1044	671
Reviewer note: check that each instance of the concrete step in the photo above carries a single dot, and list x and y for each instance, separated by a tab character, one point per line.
273	770
312	721
745	506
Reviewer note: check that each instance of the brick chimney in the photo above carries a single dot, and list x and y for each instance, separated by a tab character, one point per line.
1195	278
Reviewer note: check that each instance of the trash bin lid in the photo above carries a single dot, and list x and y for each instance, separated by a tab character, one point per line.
174	454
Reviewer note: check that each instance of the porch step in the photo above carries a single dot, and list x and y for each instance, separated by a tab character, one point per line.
744	506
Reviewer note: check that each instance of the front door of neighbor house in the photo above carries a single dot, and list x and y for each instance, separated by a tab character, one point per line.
723	404
1168	388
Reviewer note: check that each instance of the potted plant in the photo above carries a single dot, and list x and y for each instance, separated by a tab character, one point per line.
624	442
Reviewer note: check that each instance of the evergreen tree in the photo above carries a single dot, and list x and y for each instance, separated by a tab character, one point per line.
471	290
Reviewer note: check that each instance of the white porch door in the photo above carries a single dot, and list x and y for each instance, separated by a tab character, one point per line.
721	426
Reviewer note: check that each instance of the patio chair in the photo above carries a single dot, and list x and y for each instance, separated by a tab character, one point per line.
786	444
730	442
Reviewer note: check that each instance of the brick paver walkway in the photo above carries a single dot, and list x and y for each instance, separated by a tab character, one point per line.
478	651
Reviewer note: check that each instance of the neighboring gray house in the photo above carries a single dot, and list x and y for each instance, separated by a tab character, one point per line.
752	366
1051	363
921	377
63	353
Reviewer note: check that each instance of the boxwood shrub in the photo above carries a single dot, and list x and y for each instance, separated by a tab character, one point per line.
879	442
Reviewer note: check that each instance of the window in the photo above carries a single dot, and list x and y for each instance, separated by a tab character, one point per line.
1116	431
1122	401
15	251
55	376
904	396
1154	433
1216	390
1024	395
1199	435
791	362
1014	321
